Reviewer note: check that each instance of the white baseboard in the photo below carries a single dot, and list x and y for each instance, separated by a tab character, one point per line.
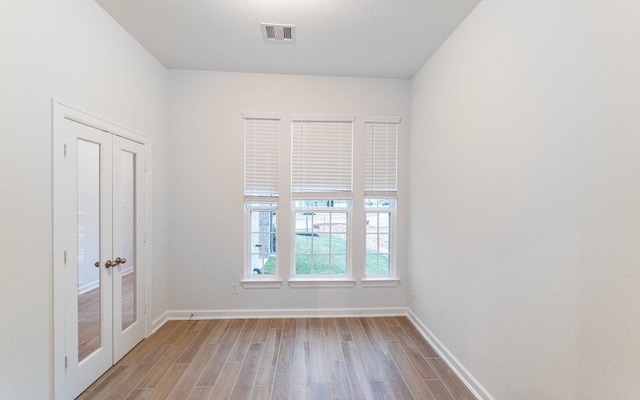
287	313
94	285
158	322
277	313
88	287
465	376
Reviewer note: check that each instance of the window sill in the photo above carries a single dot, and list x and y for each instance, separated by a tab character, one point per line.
268	283
379	282
321	283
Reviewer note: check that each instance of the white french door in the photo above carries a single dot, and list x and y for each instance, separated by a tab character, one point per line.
103	237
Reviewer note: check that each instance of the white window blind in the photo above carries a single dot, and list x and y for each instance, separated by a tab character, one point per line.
321	157
381	159
261	158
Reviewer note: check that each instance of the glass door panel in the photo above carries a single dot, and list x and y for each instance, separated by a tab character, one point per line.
88	221
128	237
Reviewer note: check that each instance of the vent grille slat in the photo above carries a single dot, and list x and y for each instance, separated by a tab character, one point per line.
270	32
278	32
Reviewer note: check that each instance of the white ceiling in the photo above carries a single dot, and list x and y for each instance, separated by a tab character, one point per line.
367	38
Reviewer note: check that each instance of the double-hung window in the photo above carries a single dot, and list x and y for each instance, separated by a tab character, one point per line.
261	193
321	185
381	186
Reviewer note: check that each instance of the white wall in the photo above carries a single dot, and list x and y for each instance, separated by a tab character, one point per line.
525	198
70	50
206	180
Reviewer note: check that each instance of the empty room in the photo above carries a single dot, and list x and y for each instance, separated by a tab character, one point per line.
281	199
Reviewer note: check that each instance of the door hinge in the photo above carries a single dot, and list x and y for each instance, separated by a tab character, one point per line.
145	308
65	256
65	150
66	362
145	166
145	238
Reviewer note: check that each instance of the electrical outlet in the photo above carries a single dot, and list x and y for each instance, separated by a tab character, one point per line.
235	288
412	293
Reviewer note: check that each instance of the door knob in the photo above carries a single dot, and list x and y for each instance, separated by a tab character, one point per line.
107	264
111	264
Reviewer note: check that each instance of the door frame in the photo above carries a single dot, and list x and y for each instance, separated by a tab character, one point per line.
60	113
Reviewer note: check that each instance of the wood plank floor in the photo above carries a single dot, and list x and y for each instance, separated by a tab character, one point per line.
89	315
297	359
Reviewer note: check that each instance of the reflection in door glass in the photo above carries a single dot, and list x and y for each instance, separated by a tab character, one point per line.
128	245
89	318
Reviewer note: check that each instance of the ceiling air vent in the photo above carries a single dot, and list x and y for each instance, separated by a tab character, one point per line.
277	32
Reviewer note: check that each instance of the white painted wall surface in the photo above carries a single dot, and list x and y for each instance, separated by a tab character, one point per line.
525	198
70	50
206	179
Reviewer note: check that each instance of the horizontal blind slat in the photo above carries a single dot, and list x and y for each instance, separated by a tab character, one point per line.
381	157
321	156
262	157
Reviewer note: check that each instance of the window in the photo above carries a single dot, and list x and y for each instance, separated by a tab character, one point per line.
321	237
261	193
379	216
321	185
381	185
262	238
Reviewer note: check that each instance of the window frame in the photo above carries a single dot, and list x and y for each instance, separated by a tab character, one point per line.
322	280
391	193
363	187
260	203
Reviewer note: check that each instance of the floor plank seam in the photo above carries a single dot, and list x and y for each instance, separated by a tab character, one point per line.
284	358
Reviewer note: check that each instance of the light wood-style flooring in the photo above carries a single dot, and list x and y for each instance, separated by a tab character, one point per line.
89	339
297	359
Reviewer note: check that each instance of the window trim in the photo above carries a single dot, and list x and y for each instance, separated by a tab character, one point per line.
321	118
261	283
308	281
383	119
380	282
261	115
